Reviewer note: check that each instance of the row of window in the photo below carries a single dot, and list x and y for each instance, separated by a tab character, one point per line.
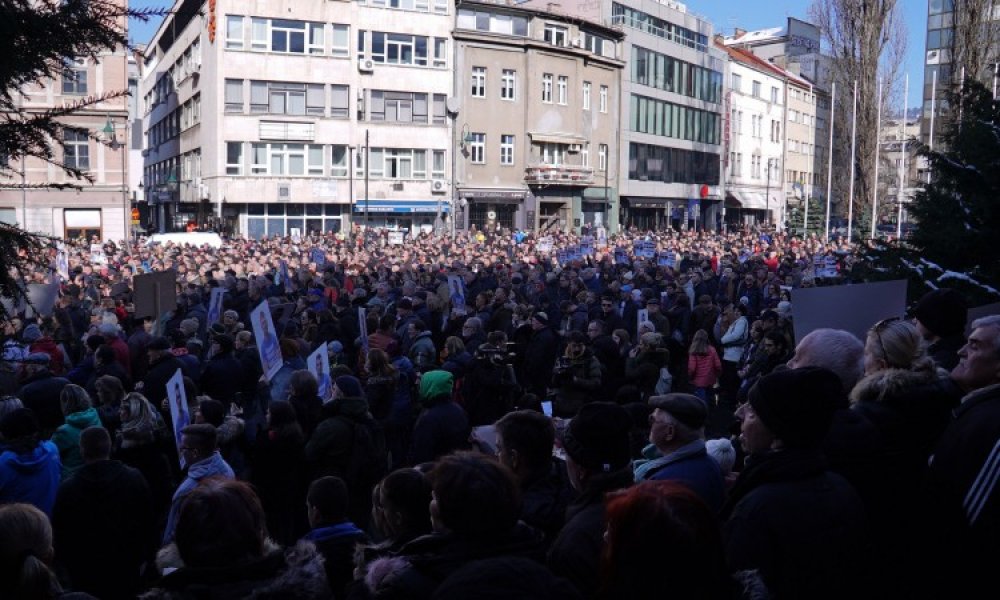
562	92
755	88
658	117
803	178
549	153
673	75
492	22
74	77
757	166
404	49
647	162
438	6
318	160
630	17
285	36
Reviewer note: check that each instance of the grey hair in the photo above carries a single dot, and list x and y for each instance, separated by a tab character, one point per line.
991	321
475	322
842	352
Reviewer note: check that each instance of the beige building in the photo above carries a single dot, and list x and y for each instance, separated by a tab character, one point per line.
807	127
94	141
536	118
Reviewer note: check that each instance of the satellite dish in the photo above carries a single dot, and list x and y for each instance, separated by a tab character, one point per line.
453	105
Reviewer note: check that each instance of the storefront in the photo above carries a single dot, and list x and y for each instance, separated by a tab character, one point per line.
415	216
747	208
489	208
290	219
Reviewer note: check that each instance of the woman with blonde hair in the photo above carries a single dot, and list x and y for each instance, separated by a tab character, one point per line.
25	554
141	444
704	366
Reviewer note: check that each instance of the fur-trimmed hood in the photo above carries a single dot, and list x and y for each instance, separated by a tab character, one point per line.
906	405
297	572
888	384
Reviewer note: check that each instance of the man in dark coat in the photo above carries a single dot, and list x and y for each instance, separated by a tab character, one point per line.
597	461
103	522
162	366
40	392
333	533
539	355
222	371
940	317
788	516
443	425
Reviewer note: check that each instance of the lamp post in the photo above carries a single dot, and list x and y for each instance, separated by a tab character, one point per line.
115	145
464	138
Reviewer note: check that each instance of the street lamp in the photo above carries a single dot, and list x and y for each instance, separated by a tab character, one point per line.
115	145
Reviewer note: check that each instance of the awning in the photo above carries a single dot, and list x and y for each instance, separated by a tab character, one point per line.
493	195
401	206
556	138
748	200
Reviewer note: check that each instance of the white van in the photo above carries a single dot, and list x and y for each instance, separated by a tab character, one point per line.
194	238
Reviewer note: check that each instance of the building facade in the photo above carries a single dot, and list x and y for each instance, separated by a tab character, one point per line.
274	118
536	118
937	68
94	141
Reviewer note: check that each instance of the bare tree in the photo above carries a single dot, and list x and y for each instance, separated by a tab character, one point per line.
867	42
975	41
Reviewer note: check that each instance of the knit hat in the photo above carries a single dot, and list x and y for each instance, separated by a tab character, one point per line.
18	423
597	438
434	384
349	386
31	333
723	452
797	405
943	312
189	326
686	408
225	341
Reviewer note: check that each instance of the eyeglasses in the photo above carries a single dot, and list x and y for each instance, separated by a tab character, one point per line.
877	329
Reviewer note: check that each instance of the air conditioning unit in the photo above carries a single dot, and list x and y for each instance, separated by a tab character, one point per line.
397	187
576	147
284	192
933	57
439	186
366	65
578	42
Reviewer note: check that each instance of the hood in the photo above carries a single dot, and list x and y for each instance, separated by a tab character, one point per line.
436	383
351	406
888	385
213	465
84	419
30	463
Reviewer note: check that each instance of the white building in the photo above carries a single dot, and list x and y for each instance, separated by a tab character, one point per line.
256	111
754	134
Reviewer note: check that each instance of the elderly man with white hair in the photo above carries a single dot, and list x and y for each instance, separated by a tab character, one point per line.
963	481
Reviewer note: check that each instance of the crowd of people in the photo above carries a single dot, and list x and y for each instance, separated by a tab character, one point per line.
510	415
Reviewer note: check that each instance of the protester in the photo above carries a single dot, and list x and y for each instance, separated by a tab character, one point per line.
79	415
199	451
26	555
29	466
940	316
333	534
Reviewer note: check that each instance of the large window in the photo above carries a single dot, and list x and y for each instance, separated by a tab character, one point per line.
437	167
586	95
667	73
478	82
278	159
340	42
340	101
398	107
553	154
602	157
398	163
283	98
234	32
405	49
286	36
339	161
672	165
506	149
74	76
658	117
508	85
76	149
604	98
547	87
562	87
234	95
555	34
492	22
234	158
477	148
623	15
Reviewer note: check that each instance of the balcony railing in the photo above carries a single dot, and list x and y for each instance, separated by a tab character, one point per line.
559	175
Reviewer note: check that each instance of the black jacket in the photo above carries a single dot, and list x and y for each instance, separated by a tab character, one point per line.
154	384
220	377
539	356
41	393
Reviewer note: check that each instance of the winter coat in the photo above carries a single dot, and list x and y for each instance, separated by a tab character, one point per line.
67	439
704	369
422	352
801	525
423	564
643	370
443	425
30	476
111	369
576	552
691	465
278	474
154	385
538	358
735	338
293	573
104	529
219	377
213	466
337	543
488	390
544	499
41	394
458	365
122	355
576	384
328	450
57	362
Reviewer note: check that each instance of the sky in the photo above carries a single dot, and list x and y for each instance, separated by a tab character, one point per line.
725	15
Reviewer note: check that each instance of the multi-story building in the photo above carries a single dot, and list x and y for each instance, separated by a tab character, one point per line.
671	117
755	135
937	68
272	118
536	118
899	164
94	141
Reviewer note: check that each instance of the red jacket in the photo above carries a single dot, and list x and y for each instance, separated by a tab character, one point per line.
704	369
122	354
57	360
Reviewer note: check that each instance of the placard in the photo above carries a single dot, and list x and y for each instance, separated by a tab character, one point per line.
97	256
456	291
180	414
854	308
215	306
267	341
149	302
396	238
319	366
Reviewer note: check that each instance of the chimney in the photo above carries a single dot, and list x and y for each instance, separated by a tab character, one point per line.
739	32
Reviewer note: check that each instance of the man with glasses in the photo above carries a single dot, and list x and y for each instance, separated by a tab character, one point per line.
199	449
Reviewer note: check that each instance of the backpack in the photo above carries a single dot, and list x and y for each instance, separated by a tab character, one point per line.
368	461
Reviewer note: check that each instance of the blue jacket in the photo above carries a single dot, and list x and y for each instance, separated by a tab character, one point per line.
213	466
31	477
690	465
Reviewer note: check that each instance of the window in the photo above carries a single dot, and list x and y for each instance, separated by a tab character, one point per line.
437	166
399	49
552	154
793	116
288	36
339	100
604	98
234	95
286	159
506	149
398	107
234	32
440	52
440	111
477	148
492	22
234	158
317	33
555	35
399	163
340	42
602	157
585	155
737	82
547	88
478	82
586	95
74	76
755	90
338	161
508	85
662	118
76	149
563	88
775	130
774	95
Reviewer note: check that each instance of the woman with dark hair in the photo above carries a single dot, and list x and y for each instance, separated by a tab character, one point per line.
380	387
276	471
662	541
26	555
110	394
474	515
221	543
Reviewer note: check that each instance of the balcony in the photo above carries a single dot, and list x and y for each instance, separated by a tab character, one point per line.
569	175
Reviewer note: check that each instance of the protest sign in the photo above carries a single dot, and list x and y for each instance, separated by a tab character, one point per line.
180	414
267	341
319	366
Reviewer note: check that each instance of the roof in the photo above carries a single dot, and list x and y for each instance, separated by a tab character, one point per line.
748	58
756	37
